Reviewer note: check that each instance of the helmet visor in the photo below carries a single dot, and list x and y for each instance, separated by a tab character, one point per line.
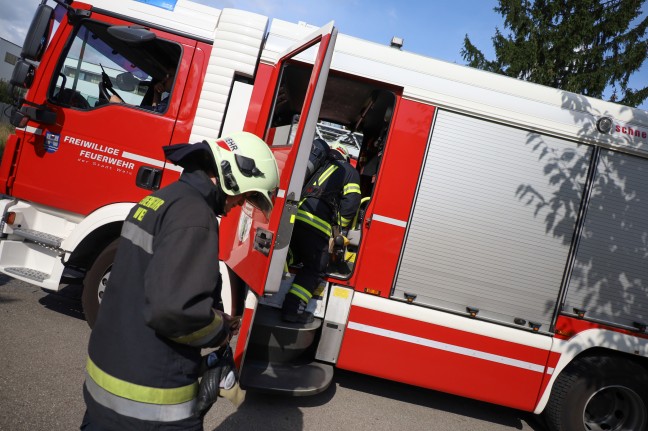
260	202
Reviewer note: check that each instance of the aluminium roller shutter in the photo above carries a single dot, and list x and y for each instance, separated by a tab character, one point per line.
493	220
610	277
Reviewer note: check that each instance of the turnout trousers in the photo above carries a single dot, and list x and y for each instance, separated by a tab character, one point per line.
312	249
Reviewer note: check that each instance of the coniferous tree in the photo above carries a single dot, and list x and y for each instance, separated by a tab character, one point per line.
582	46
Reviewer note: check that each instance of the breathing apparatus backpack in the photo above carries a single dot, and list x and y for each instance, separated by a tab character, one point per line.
317	160
318	155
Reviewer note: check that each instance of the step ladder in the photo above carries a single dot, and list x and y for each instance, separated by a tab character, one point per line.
280	356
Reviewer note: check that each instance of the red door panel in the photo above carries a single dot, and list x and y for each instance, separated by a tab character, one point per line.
261	267
92	155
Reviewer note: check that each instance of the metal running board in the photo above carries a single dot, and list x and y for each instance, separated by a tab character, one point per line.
31	274
287	379
273	340
39	237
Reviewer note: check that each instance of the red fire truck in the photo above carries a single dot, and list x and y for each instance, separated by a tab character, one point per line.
501	250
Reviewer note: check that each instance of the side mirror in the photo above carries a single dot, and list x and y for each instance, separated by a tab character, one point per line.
38	34
131	35
18	119
126	81
40	114
23	74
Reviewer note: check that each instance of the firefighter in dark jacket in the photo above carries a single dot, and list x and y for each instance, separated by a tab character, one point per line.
161	303
331	200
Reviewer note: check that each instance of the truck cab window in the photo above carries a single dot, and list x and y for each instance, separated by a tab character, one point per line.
98	69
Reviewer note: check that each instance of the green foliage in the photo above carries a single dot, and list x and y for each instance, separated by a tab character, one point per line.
582	46
5	131
5	92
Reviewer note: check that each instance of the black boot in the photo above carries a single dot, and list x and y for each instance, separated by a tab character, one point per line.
294	310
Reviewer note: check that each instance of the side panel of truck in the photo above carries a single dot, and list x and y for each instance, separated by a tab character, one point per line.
386	218
445	352
462	232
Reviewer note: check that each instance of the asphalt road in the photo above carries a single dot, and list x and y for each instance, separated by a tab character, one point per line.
43	339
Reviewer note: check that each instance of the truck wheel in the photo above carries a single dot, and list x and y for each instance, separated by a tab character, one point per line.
94	283
599	393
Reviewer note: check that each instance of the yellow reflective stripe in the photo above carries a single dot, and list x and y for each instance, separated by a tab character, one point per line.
354	225
144	394
351	188
135	409
314	221
344	222
300	292
202	335
327	173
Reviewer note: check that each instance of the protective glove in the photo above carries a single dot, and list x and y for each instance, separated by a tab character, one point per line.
220	375
207	391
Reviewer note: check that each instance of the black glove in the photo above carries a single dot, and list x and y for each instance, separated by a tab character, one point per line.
208	391
220	373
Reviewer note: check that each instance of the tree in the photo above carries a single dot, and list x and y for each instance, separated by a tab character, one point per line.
582	46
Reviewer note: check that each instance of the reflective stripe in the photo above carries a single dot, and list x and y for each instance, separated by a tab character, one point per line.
138	410
344	222
354	225
314	221
138	236
452	348
300	292
389	220
351	188
149	161
143	394
327	173
203	335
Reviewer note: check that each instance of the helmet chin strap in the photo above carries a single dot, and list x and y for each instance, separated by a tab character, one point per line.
228	178
220	199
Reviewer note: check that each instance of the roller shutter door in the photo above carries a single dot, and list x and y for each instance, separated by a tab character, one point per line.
493	221
610	277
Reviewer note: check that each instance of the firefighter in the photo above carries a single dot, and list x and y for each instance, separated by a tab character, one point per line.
161	303
329	202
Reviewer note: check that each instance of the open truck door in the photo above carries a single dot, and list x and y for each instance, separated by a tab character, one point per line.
284	110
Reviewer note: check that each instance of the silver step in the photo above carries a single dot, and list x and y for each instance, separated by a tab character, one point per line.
31	274
39	237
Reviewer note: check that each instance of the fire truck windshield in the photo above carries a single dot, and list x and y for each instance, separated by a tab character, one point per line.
96	59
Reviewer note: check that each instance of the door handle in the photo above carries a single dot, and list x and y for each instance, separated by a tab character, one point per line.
263	240
148	178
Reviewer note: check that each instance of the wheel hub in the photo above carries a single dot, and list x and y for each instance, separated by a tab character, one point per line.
102	286
615	408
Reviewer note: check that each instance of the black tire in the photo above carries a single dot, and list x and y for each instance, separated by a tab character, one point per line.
599	393
95	281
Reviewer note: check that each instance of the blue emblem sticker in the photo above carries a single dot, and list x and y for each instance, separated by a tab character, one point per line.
52	142
164	4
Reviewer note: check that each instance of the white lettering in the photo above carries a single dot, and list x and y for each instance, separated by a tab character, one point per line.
100	158
92	145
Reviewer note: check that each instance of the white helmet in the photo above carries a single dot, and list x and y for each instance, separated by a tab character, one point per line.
243	162
246	166
341	149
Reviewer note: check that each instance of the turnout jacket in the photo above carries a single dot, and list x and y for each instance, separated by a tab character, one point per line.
158	308
332	198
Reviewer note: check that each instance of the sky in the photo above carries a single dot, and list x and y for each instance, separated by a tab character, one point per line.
433	28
